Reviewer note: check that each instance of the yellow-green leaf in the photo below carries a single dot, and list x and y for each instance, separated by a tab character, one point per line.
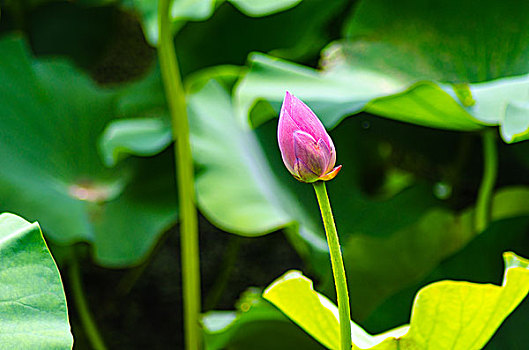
295	296
445	315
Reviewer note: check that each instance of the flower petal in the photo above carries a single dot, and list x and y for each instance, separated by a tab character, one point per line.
331	175
305	118
285	137
326	155
308	150
303	172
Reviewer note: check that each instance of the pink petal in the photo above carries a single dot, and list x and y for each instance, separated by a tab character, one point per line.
308	150
305	118
285	137
332	152
326	154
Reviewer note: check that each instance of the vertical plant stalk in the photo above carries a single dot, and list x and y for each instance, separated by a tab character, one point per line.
223	278
89	325
338	269
486	188
186	188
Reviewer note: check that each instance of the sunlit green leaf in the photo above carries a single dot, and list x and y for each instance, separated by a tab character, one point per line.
480	262
51	117
33	305
383	252
412	70
256	325
445	315
516	124
232	165
344	90
294	294
263	7
237	167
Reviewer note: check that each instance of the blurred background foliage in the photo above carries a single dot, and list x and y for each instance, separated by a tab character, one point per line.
407	88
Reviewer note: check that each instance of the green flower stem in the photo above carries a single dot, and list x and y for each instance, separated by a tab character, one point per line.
186	188
338	270
89	325
486	188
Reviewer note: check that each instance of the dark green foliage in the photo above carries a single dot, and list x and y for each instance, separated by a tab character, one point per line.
405	88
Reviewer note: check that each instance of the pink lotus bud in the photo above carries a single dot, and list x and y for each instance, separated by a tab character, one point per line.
306	148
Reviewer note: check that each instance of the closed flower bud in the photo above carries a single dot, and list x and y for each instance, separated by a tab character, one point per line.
306	148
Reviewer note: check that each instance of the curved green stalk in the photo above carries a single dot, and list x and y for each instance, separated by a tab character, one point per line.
338	269
89	326
186	188
223	278
486	188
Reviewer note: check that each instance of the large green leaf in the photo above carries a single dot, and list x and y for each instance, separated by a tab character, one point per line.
231	156
51	117
379	267
423	62
33	305
232	167
255	325
383	252
477	262
346	89
243	188
197	48
452	41
445	314
242	191
200	10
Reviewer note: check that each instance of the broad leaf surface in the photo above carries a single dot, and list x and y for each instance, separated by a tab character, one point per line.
197	48
200	10
343	90
428	63
478	262
51	117
257	325
383	252
243	188
445	314
138	136
33	305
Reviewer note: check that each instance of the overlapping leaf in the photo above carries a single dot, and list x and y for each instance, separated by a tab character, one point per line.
51	117
200	10
382	240
256	324
243	188
445	314
33	305
428	63
477	262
